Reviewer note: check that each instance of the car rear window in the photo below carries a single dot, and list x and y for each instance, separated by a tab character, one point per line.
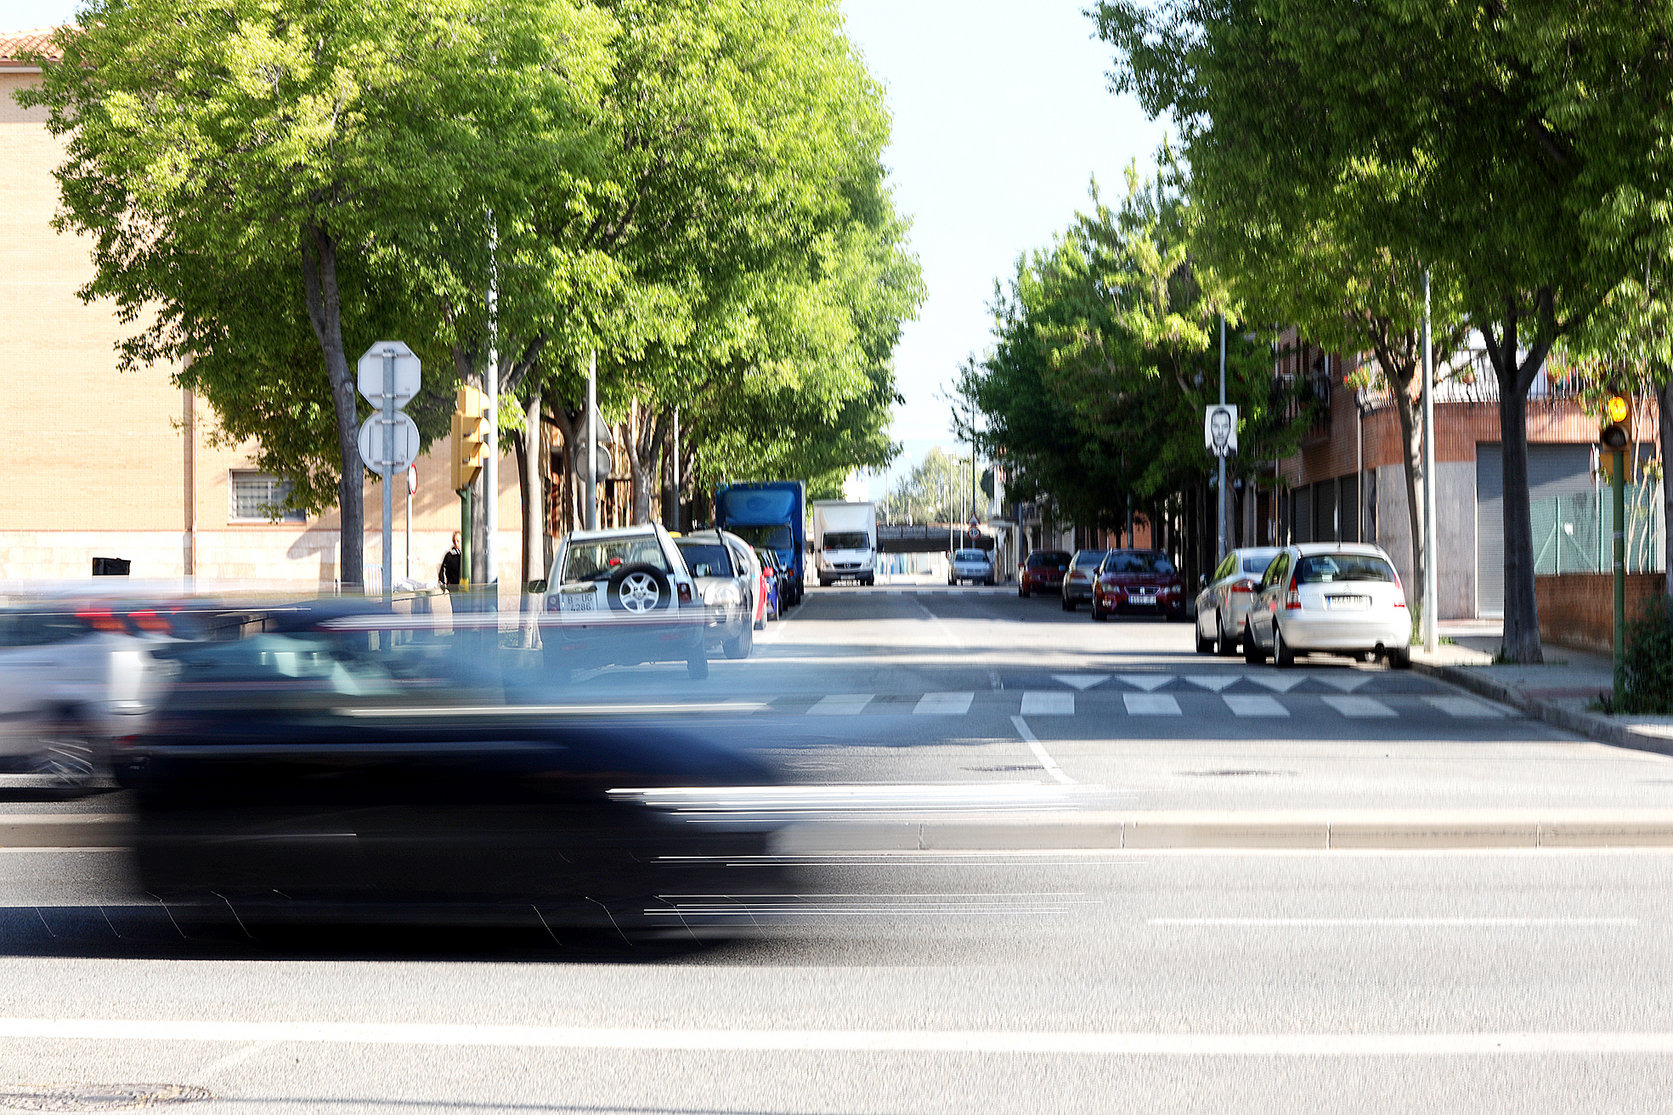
706	559
1257	564
1138	561
1324	569
596	559
1089	559
970	555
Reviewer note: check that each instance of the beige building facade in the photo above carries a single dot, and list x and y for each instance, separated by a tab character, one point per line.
106	464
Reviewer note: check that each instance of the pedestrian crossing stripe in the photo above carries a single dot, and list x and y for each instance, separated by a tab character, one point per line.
1254	705
943	704
1150	704
1037	703
1359	708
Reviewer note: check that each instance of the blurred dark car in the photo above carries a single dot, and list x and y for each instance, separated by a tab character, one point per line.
1077	580
1043	572
304	775
1138	581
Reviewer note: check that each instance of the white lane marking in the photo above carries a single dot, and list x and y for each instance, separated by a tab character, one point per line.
943	704
840	704
1037	703
946	631
1146	682
1466	707
1150	704
1278	683
1040	752
1059	1042
235	1058
380	712
1347	682
1081	681
1215	682
1359	708
1397	923
1257	704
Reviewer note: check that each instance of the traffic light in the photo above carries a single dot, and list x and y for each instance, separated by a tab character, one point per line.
1617	420
470	436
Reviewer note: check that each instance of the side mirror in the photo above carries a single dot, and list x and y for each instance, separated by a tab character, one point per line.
1202	580
537	586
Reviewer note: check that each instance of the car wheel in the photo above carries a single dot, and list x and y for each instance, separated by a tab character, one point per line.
1252	652
1400	659
742	645
1022	590
1282	656
697	666
1098	613
640	589
1068	605
1204	646
66	758
1223	646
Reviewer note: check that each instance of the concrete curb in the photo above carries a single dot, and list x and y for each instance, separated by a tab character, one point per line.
1300	830
1590	725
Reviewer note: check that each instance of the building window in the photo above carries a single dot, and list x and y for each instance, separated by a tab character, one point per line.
258	498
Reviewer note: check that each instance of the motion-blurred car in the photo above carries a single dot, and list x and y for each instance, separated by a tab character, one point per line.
301	776
1129	582
726	586
748	560
1223	603
1043	572
621	596
971	565
1077	581
1329	598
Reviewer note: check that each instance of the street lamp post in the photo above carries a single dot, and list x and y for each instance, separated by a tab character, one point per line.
1430	557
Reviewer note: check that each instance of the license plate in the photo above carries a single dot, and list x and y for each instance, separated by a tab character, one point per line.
1142	598
578	602
1348	603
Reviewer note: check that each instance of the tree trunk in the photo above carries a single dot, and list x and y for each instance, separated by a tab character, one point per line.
1411	445
1521	639
1664	400
319	281
670	490
531	477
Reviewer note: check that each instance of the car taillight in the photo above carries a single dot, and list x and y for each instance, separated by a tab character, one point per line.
147	620
684	593
1292	598
1243	586
100	619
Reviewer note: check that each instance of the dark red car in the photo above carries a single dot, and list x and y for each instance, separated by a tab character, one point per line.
1043	572
1138	581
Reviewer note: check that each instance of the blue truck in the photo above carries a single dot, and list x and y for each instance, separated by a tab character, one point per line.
771	514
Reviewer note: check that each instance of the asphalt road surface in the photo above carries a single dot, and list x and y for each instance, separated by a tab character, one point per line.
1069	980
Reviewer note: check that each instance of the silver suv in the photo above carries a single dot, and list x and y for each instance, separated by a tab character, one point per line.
621	597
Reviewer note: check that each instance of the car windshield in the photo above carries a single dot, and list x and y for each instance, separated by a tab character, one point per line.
1047	557
706	559
595	559
1138	561
1324	569
1089	559
847	540
971	555
773	537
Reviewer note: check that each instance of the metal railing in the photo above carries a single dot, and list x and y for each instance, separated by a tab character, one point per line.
1575	534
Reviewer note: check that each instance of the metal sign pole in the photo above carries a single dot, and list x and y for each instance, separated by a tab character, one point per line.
1617	485
1220	494
591	440
386	472
491	379
1431	554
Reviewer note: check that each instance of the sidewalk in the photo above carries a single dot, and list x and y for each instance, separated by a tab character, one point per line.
1561	691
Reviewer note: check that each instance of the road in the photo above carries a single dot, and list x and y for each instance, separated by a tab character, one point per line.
1069	979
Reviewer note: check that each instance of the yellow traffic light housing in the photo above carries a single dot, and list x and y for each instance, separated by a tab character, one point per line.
469	436
1617	421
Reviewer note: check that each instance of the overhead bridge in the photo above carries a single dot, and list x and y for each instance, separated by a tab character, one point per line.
929	538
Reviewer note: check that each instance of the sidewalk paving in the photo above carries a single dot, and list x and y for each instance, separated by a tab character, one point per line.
1561	691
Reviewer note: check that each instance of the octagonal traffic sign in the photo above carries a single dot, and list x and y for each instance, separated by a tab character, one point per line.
369	373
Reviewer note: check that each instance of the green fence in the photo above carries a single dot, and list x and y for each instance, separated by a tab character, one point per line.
1574	534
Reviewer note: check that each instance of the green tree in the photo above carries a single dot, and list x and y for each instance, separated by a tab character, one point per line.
253	171
1518	149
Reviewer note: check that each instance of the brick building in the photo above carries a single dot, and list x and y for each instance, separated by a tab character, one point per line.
1348	482
112	465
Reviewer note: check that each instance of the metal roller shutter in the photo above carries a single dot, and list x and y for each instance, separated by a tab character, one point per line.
1553	470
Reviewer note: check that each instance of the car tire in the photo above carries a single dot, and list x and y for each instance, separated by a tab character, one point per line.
1252	652
1098	613
1282	656
67	759
1205	646
1022	590
1400	659
1068	605
640	589
742	645
697	666
1223	646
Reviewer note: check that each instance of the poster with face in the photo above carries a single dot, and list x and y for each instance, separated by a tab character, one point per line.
1219	430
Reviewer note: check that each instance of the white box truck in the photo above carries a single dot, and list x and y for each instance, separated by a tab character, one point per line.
844	541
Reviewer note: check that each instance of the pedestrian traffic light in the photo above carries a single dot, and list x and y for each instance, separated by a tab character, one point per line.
1617	418
470	436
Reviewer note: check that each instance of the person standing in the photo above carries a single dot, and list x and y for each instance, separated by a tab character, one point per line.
448	573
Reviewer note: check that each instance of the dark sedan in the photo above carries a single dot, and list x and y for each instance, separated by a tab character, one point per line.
1138	582
304	776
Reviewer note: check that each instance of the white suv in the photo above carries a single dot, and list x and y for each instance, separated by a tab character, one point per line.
621	596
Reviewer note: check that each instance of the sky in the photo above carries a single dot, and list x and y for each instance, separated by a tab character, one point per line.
1002	117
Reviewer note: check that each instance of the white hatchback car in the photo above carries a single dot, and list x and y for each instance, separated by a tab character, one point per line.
1329	598
621	596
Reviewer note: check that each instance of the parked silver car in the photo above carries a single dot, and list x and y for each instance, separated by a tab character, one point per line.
1077	582
726	585
1331	598
970	565
1223	604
